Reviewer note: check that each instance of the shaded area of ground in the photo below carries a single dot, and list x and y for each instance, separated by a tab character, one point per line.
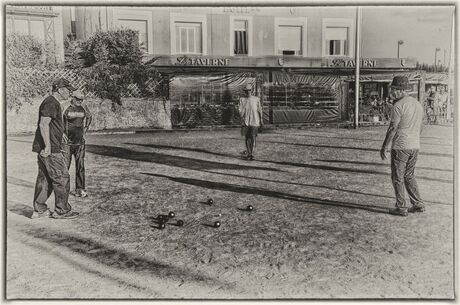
319	228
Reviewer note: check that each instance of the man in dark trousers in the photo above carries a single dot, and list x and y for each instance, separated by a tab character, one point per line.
52	168
251	119
77	119
404	133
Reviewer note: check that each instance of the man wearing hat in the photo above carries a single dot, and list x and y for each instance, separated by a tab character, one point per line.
77	119
404	134
251	119
52	170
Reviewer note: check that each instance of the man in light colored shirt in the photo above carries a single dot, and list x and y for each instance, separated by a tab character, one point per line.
404	133
251	119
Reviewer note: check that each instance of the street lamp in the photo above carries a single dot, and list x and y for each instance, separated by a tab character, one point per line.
435	57
400	42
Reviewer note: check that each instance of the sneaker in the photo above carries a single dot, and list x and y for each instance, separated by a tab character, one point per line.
68	215
416	208
83	194
36	214
398	211
75	193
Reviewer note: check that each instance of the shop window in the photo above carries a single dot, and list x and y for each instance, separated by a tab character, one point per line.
188	38
240	41
289	40
337	41
337	37
137	25
290	36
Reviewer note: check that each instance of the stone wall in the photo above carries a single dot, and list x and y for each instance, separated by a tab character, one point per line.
132	113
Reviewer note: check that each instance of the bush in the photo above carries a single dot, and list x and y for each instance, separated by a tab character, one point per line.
25	58
112	63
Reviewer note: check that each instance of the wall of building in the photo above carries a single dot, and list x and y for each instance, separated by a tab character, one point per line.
90	19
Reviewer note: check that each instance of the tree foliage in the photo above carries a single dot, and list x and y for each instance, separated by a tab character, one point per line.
26	58
112	63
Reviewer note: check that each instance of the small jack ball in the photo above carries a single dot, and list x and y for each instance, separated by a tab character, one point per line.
171	214
210	201
180	223
217	224
161	226
249	208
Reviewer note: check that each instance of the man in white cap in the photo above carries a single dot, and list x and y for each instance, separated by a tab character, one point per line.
404	133
77	119
251	119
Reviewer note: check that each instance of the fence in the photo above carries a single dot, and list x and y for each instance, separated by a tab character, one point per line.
76	79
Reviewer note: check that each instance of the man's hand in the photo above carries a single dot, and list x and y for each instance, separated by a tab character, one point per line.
65	139
45	152
383	154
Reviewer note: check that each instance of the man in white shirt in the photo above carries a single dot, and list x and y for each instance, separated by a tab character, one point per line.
251	119
404	133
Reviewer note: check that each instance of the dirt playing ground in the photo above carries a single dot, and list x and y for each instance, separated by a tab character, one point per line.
319	229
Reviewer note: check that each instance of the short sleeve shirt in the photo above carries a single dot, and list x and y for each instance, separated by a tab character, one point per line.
407	117
74	121
51	108
250	108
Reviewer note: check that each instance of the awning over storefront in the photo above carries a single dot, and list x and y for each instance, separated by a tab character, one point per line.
278	62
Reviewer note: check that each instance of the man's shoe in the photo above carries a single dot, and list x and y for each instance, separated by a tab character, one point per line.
398	211
251	158
83	194
36	214
68	215
75	193
416	208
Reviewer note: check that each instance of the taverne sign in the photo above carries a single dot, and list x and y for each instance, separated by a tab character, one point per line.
278	62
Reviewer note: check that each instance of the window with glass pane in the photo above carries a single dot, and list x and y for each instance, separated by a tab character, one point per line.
188	38
240	46
21	26
137	25
337	41
289	40
37	29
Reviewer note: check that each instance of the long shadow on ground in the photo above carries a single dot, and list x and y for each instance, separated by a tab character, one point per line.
268	193
312	166
346	147
316	186
349	170
122	260
184	149
306	135
164	159
381	164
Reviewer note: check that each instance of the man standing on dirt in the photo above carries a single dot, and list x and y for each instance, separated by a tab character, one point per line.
251	119
77	119
404	133
52	170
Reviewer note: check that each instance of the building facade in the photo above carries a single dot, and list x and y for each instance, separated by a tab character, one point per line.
300	59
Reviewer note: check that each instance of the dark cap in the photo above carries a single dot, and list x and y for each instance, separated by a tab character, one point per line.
62	83
400	82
